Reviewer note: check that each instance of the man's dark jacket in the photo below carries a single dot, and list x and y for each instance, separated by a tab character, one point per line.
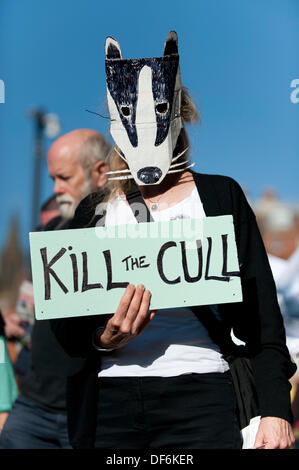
256	320
45	382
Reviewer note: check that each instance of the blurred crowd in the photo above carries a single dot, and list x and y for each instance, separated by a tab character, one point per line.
33	367
279	226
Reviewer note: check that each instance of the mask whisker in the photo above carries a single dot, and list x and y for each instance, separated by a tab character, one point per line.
98	114
121	156
181	169
179	155
178	164
127	177
117	171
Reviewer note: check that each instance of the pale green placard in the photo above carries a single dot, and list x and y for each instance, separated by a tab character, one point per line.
183	262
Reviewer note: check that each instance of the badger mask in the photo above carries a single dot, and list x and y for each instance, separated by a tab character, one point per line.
144	101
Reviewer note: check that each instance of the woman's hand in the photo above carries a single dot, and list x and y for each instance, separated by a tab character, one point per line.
274	433
3	418
130	319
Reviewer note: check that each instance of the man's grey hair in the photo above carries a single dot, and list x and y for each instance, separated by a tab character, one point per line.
94	148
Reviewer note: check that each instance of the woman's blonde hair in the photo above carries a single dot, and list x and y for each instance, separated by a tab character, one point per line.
189	114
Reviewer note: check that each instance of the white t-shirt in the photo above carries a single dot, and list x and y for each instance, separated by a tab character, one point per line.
175	342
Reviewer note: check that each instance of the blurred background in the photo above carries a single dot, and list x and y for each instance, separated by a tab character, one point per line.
240	62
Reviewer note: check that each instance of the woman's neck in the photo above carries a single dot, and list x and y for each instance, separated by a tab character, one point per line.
168	183
172	190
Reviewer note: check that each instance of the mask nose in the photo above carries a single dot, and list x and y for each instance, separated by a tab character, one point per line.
149	174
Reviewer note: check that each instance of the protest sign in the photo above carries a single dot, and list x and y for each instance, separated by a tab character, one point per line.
182	262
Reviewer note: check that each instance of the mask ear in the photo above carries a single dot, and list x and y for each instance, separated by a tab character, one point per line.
171	44
112	49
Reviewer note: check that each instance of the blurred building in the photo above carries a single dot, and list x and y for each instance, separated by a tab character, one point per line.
14	264
11	268
279	224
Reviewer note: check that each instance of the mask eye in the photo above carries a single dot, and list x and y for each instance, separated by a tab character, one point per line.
125	111
162	108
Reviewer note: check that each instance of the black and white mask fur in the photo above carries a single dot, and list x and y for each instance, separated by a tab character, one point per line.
144	101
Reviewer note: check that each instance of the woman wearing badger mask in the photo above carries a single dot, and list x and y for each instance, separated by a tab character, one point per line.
160	379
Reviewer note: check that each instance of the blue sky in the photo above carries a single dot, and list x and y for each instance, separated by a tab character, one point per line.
238	58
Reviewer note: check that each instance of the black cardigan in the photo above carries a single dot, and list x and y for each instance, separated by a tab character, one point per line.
256	320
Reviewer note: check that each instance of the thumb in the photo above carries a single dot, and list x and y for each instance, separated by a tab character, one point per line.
259	439
152	313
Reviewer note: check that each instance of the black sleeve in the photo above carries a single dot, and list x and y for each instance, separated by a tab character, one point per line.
75	334
87	213
258	320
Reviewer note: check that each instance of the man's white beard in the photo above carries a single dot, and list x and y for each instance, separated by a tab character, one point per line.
67	204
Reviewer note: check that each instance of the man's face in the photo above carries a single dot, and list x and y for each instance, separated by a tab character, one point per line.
71	183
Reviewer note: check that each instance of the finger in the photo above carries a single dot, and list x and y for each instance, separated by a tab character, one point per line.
135	305
152	313
284	444
115	321
272	444
13	331
259	440
290	437
134	308
283	438
15	319
124	303
149	318
286	436
143	317
19	332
